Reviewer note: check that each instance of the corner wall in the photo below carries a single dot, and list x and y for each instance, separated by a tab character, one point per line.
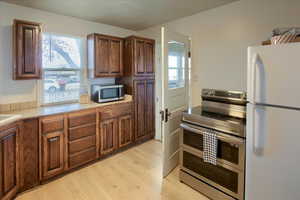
220	38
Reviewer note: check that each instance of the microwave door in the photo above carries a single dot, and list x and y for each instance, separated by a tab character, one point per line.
121	92
107	94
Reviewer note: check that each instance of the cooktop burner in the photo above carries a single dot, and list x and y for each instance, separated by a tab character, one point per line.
220	122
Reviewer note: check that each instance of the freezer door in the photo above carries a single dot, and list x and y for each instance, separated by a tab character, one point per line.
274	75
273	148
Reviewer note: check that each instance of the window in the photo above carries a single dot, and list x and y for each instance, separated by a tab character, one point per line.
176	62
61	69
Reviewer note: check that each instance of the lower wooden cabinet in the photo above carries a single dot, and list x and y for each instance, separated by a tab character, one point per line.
52	154
116	127
144	108
9	162
52	146
38	149
29	154
125	130
109	135
83	138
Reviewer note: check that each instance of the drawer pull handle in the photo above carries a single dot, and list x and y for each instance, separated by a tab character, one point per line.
53	139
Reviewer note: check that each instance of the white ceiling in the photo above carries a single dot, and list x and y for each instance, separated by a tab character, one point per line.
130	14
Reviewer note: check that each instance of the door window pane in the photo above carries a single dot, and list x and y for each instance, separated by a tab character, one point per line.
176	64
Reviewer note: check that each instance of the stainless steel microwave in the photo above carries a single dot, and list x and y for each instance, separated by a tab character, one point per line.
107	93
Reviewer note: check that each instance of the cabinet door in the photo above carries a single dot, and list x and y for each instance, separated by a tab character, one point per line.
29	154
109	132
115	57
27	50
52	154
125	130
139	57
149	58
9	163
102	57
150	107
140	95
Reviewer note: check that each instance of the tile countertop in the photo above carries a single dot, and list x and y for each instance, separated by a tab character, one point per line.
58	109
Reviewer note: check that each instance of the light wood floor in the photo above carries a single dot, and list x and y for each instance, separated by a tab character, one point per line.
135	174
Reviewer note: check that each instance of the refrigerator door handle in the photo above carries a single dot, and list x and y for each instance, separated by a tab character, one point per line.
258	125
253	90
258	72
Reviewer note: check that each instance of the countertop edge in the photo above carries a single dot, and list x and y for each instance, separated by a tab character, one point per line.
57	109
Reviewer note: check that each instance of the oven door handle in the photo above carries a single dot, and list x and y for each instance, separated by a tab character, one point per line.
220	136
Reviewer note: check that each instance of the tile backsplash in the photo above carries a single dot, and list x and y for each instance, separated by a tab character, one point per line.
17	106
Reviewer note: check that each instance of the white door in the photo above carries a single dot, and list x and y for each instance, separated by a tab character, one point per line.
273	75
175	48
272	161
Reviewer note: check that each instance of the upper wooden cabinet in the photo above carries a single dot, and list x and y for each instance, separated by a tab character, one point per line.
105	56
139	54
27	52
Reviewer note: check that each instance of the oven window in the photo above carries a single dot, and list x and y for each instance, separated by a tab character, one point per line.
225	150
109	93
217	174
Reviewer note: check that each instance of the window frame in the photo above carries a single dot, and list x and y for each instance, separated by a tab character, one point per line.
180	72
80	70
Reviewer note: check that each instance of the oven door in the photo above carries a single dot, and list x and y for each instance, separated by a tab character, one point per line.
228	174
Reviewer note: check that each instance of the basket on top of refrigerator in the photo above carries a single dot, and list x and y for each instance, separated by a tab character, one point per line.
284	35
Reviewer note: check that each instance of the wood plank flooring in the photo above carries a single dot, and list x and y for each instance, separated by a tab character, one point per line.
135	174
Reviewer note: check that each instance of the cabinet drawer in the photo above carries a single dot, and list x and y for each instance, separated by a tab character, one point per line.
52	124
82	157
82	131
116	110
82	144
78	119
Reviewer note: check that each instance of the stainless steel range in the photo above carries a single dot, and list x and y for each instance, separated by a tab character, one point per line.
224	113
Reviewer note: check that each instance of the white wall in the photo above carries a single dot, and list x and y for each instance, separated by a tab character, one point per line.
22	91
220	38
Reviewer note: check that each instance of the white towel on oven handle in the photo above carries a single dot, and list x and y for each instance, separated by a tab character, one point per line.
210	145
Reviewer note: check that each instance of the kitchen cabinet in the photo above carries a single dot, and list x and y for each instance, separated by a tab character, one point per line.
9	161
52	146
150	107
125	130
140	95
116	127
109	135
105	56
139	54
29	154
34	150
139	81
27	52
83	137
144	108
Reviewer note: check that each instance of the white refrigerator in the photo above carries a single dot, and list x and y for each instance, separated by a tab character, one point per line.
273	123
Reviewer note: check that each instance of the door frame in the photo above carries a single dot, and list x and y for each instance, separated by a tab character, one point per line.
156	34
170	162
